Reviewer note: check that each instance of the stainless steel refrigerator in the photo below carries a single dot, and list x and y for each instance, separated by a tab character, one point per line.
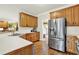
57	34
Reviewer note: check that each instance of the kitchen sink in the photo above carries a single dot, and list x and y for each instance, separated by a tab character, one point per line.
15	34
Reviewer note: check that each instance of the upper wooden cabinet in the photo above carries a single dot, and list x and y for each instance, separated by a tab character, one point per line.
27	20
57	14
76	15
71	14
3	24
33	22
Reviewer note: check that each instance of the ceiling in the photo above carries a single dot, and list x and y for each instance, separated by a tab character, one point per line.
32	8
39	8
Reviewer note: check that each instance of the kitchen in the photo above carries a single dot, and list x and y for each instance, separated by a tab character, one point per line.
30	31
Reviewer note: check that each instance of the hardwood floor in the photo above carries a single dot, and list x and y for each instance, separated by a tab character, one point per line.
41	48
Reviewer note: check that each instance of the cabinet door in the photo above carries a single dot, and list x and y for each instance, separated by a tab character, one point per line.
35	36
22	20
27	20
33	21
3	24
71	44
76	15
60	13
69	16
57	14
32	36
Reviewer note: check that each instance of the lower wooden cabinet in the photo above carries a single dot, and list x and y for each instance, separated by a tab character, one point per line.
71	44
27	50
33	37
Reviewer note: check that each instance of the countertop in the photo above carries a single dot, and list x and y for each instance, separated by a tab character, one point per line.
10	43
76	42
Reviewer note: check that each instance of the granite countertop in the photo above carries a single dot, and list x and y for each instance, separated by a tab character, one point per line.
76	42
10	43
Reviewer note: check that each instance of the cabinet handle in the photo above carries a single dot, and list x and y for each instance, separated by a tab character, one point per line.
67	43
76	46
73	23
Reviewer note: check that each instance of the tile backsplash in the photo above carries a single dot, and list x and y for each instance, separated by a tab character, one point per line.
25	29
73	30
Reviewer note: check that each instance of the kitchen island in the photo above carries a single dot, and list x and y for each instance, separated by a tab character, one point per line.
14	45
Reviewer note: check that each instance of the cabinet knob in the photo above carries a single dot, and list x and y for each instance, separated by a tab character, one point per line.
73	23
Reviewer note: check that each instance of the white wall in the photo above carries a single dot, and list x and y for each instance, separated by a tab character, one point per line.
74	30
41	18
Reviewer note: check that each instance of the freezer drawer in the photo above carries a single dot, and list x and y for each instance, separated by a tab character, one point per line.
57	44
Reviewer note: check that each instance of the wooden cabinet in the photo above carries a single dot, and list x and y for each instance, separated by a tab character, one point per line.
71	14
76	15
33	22
57	14
71	44
3	24
35	36
27	50
27	20
22	20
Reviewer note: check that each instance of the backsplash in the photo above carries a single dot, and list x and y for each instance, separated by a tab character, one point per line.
73	30
24	29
